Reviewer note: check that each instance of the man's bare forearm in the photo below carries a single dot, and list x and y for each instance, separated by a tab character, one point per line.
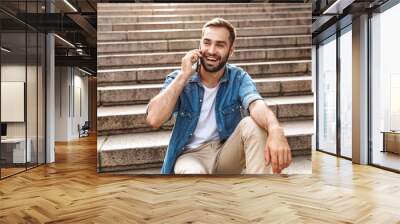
160	108
277	151
263	116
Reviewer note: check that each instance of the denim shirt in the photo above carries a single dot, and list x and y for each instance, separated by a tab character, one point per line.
237	90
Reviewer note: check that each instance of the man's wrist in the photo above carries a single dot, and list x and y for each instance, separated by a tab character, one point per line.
186	76
183	78
274	128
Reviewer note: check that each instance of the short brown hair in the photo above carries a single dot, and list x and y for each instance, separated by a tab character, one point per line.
220	22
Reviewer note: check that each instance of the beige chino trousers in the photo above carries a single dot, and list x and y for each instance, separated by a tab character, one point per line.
242	152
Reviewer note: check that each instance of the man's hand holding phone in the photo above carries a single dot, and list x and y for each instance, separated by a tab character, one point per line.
192	57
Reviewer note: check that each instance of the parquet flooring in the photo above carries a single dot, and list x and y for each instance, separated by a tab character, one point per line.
71	191
10	171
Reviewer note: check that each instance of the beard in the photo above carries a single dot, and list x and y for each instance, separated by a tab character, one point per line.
217	67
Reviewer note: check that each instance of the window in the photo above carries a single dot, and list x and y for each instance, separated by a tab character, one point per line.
327	95
346	92
385	88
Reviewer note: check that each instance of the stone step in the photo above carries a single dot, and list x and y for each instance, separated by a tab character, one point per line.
142	93
202	10
172	34
157	74
174	58
199	24
146	150
132	118
188	44
128	6
106	19
300	165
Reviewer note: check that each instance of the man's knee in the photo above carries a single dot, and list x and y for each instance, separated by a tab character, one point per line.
250	128
189	165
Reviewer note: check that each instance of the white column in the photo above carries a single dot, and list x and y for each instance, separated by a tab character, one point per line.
360	90
50	99
50	93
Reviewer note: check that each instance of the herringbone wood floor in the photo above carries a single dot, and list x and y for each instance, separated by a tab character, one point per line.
70	191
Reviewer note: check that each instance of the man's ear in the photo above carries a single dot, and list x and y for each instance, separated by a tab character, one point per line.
232	49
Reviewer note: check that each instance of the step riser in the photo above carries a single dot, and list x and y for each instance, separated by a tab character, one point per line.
196	33
175	59
132	157
155	76
180	45
136	123
112	125
125	124
141	158
140	96
194	11
233	16
128	6
199	25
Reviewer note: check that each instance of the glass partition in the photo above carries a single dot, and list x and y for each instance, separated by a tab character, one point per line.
22	88
32	87
13	101
41	96
31	98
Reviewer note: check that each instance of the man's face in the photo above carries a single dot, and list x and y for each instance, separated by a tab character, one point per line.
216	48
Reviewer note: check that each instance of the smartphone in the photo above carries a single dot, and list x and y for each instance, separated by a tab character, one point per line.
196	65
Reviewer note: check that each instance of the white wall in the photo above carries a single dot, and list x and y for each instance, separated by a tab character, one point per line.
33	126
62	78
12	73
70	83
82	83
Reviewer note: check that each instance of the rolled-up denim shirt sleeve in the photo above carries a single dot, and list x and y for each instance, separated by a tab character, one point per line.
248	92
167	82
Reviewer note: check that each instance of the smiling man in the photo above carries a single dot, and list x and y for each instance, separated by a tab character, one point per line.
210	136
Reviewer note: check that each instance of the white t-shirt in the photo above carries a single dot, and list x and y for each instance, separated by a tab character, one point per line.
206	129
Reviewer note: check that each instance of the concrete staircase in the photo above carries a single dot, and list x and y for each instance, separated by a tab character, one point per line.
139	44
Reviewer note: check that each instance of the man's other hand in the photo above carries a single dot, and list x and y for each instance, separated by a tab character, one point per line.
277	150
